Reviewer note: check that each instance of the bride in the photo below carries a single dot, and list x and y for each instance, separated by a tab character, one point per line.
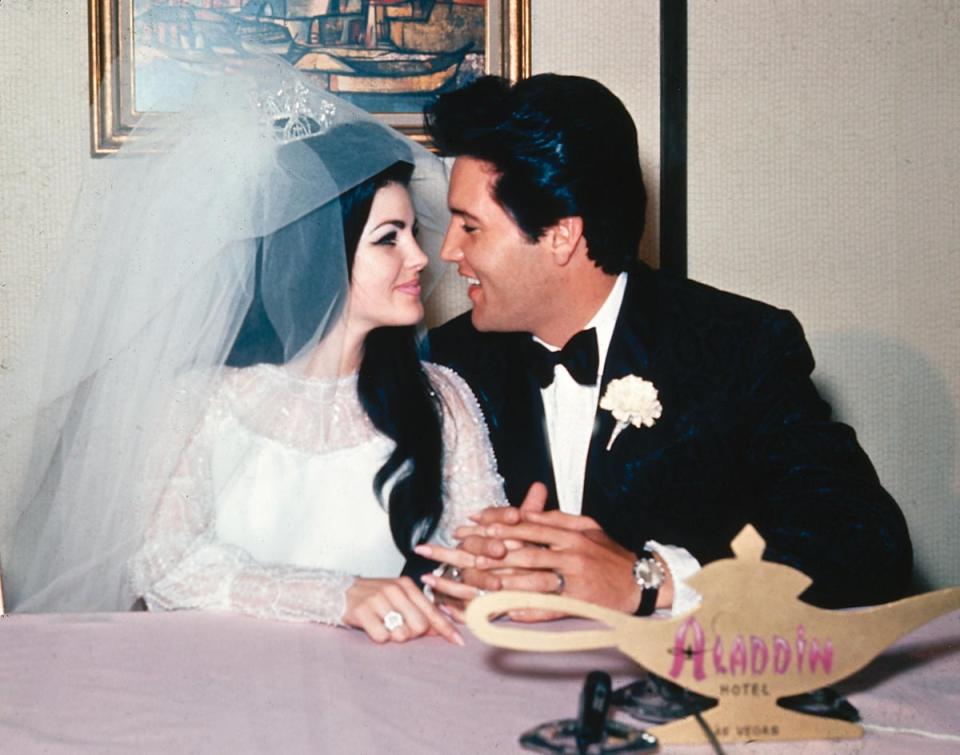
224	408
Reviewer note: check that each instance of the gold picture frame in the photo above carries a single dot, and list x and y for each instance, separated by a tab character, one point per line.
115	108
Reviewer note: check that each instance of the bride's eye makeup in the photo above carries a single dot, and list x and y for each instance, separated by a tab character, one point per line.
388	239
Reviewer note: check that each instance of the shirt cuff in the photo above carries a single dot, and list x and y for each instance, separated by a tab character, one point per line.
681	566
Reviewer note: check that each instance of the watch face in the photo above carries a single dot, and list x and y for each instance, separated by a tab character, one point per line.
647	573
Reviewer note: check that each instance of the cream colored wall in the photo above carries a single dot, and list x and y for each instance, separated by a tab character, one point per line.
823	178
46	140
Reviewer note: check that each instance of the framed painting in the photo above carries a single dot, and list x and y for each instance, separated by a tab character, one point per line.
387	56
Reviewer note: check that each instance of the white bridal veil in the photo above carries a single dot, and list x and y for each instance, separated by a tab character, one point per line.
157	277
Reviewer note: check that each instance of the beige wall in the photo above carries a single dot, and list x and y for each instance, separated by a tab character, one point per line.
823	178
44	123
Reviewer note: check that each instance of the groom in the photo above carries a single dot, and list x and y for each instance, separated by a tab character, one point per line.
547	204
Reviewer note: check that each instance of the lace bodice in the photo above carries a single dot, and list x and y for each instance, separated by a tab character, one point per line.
271	511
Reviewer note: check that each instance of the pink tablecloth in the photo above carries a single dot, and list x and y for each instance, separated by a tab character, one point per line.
190	682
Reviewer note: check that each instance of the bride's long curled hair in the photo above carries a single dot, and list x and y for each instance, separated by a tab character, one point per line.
392	386
396	394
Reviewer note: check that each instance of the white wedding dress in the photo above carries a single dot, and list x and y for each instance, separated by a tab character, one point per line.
272	510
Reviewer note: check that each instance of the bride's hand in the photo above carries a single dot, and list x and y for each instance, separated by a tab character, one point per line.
370	600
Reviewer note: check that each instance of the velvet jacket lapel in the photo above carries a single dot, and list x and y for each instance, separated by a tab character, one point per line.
522	432
630	353
523	446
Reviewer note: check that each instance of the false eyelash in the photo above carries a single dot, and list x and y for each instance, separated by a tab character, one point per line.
389	238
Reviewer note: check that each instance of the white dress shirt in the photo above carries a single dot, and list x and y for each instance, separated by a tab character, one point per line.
569	410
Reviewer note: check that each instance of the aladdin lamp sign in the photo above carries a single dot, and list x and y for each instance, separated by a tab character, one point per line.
743	647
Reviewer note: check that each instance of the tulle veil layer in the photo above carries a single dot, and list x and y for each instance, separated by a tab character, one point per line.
137	321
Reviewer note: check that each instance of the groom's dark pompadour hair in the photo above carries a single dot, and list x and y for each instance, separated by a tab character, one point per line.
562	146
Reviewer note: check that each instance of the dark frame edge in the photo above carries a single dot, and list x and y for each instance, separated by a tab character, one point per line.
673	137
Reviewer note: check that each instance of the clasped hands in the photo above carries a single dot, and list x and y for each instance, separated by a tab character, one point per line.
527	548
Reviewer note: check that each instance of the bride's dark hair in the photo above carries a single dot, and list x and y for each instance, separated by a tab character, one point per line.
397	395
392	385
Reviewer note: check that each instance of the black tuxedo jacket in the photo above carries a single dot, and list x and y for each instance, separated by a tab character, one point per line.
744	438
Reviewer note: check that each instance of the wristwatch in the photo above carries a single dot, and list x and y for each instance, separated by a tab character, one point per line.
649	574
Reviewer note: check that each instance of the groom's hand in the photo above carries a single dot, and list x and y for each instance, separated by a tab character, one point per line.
593	566
526	548
556	553
474	540
454	594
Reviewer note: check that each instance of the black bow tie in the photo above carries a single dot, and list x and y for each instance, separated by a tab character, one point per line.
579	356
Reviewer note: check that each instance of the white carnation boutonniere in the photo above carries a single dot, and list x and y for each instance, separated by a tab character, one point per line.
632	401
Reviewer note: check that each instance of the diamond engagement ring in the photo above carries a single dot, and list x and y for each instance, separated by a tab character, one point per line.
393	620
561	583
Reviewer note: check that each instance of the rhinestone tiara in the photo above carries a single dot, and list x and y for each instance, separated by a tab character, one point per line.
289	111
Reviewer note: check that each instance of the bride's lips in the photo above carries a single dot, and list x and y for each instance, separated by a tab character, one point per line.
410	287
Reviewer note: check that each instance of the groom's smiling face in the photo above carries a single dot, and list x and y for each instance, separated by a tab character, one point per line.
509	275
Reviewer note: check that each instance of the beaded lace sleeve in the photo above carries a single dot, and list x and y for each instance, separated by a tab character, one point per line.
470	479
183	565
